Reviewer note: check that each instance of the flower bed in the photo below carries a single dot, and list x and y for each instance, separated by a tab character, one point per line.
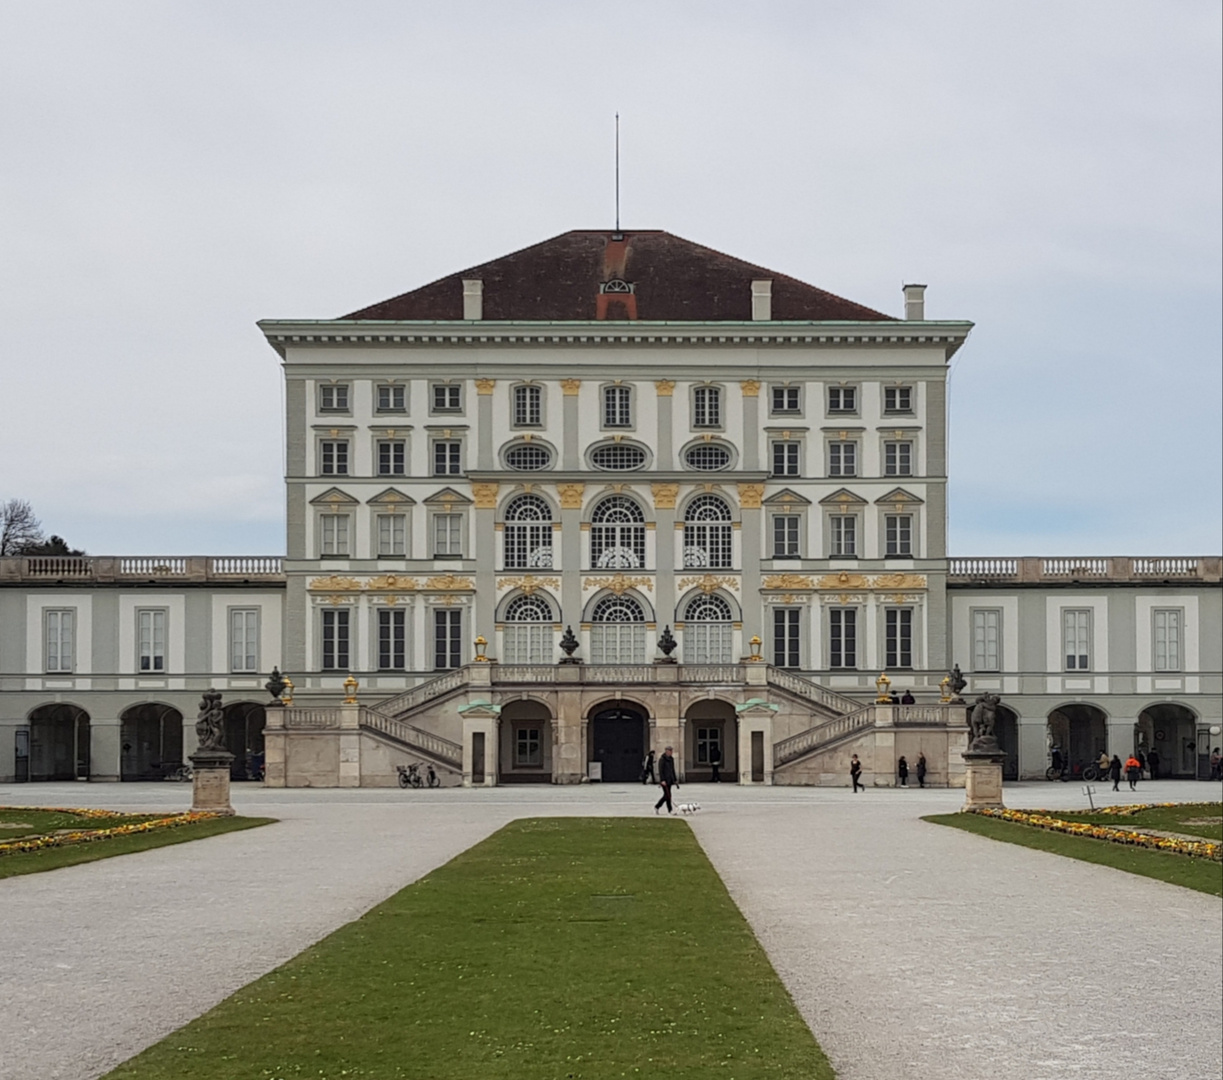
1202	849
87	836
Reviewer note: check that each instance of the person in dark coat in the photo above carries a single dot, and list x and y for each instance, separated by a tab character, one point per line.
921	770
907	698
1114	772
902	770
715	762
647	769
667	779
855	772
1153	763
894	698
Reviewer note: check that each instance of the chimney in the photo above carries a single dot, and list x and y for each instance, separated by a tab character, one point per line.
915	302
473	298
762	301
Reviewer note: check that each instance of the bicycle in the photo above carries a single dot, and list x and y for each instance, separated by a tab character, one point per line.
409	776
182	774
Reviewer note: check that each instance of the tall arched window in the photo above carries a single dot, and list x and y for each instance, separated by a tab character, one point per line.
708	631
617	534
528	533
617	632
528	631
707	532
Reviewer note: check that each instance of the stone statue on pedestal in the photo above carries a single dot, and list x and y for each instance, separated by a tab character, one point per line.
982	722
210	726
211	761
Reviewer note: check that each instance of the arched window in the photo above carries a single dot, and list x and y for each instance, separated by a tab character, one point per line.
617	535
708	631
707	532
617	632
528	631
528	533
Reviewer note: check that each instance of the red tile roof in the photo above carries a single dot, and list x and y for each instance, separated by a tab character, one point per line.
672	278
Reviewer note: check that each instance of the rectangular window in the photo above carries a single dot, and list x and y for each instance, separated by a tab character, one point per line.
528	643
528	406
60	627
392	534
447	638
447	457
1168	639
899	637
844	534
447	535
785	399
986	627
335	640
786	643
617	406
390	457
898	399
785	458
333	398
528	748
1076	636
785	536
333	534
843	637
447	397
898	535
391	398
842	459
334	457
707	407
244	639
151	640
898	458
392	634
842	399
708	739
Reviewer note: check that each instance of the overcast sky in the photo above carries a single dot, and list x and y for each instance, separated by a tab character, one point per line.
171	172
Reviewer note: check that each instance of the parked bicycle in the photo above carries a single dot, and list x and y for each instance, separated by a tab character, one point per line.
182	774
409	776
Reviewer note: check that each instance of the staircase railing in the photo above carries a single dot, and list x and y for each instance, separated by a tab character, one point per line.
422	692
813	738
425	741
796	684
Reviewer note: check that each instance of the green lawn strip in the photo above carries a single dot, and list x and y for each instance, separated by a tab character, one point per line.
1204	875
33	862
557	948
1163	818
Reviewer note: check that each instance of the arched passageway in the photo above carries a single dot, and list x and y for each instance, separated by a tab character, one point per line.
617	741
711	734
59	743
150	742
244	724
1166	734
1081	731
526	743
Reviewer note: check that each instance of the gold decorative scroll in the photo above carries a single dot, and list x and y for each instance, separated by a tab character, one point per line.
788	581
664	495
449	582
570	387
750	387
391	581
708	583
664	387
842	581
335	583
899	581
886	582
485	495
750	496
484	387
529	583
570	495
618	583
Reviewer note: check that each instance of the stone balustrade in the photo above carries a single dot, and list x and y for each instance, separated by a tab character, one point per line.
171	569
1038	570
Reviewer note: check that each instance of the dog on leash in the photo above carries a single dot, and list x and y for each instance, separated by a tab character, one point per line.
688	807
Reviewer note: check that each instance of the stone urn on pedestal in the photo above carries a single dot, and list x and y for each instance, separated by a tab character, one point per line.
984	757
211	761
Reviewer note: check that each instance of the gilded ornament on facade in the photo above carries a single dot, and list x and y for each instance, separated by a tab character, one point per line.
750	496
899	581
570	495
843	580
485	386
664	495
750	387
664	387
391	581
447	582
485	495
618	583
708	583
529	583
335	583
570	387
788	581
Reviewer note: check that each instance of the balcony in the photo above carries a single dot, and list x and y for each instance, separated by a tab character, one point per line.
141	569
1084	569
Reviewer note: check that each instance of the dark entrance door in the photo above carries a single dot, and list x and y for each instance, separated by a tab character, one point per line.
617	741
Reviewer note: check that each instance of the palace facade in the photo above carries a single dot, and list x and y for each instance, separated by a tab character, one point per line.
612	492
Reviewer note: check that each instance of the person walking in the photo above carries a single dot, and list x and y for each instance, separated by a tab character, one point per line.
1133	771
1058	762
855	773
1114	772
647	769
667	779
1216	765
715	762
1153	763
921	770
902	770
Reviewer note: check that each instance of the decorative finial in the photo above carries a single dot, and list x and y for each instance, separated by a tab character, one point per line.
350	690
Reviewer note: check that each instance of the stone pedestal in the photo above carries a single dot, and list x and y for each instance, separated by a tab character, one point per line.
210	791
983	779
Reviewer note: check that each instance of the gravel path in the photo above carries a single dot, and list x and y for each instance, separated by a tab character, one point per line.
910	949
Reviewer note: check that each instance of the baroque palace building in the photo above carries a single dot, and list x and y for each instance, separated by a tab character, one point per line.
612	492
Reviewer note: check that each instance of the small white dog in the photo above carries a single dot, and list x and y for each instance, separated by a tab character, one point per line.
688	807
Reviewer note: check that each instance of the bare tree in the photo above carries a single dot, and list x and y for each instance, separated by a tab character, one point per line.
19	528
